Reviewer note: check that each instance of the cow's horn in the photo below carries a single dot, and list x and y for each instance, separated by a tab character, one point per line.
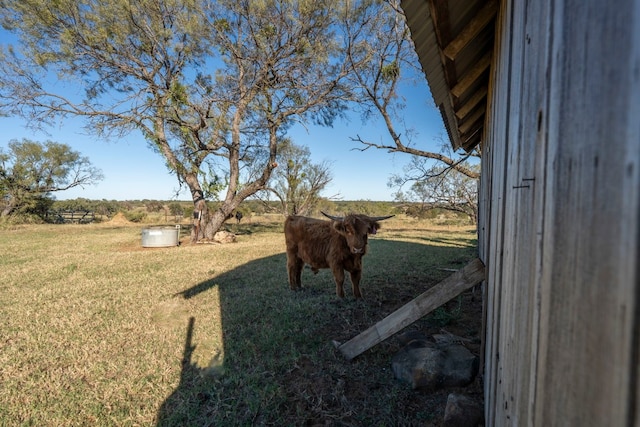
372	218
335	218
380	218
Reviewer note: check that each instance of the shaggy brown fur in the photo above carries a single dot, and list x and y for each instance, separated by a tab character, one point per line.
338	244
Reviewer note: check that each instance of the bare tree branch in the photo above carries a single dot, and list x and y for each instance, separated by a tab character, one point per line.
457	164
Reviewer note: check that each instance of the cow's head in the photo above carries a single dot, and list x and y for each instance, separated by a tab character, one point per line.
355	228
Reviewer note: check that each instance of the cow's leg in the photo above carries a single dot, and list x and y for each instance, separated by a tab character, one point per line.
294	266
338	276
356	275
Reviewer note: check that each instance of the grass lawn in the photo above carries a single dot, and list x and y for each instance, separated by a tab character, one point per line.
96	330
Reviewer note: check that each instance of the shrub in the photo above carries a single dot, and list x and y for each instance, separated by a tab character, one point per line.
135	216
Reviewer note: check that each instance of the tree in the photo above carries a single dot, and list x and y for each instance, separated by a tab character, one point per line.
297	182
30	171
211	85
449	186
440	187
176	209
386	49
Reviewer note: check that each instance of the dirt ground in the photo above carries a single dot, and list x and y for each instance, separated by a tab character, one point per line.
313	388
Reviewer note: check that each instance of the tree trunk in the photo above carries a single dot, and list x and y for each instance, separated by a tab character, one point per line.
213	224
9	208
202	227
206	223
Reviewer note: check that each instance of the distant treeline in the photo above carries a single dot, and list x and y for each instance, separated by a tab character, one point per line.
137	210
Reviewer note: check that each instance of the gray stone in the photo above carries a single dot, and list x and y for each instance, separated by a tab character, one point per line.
460	366
462	411
430	366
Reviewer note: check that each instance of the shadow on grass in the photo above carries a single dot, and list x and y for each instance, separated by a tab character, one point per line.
190	375
280	366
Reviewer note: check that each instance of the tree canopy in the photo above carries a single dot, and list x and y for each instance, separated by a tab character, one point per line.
30	171
212	85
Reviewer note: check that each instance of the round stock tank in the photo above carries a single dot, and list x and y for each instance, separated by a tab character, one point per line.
160	236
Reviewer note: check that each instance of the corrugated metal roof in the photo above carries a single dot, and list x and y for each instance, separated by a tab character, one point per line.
454	41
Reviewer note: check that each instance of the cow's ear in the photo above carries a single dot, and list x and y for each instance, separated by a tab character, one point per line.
374	227
339	226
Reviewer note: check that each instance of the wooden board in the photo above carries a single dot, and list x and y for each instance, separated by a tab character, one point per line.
449	288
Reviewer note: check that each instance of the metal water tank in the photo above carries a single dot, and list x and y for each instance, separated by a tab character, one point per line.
160	236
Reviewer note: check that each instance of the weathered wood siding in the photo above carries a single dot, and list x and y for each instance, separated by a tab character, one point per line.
560	214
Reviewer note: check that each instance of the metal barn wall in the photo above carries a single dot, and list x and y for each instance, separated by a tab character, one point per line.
560	214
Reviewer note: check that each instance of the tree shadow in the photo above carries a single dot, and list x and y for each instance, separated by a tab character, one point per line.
280	366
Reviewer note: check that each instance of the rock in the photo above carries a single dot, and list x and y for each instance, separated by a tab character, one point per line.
224	237
419	366
461	366
430	366
462	411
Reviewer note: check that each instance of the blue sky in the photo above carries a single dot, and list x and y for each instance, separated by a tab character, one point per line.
133	171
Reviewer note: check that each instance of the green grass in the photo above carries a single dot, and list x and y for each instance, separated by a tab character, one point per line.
96	330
